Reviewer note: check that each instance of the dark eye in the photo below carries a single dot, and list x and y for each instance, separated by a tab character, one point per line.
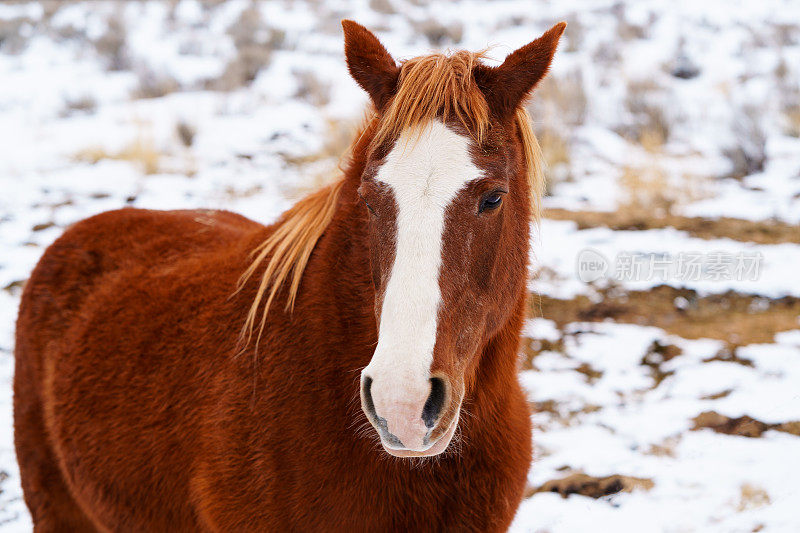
491	201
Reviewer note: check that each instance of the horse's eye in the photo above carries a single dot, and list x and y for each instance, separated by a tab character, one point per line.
490	201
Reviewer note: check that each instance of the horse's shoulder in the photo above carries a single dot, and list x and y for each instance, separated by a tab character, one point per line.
127	240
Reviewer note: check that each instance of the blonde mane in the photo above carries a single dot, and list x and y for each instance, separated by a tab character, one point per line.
432	86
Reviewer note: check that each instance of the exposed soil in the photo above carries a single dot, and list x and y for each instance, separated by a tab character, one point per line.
759	231
743	425
732	317
593	487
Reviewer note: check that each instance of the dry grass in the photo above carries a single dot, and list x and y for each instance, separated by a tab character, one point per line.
731	317
557	158
665	448
558	105
792	121
752	497
758	231
648	190
142	152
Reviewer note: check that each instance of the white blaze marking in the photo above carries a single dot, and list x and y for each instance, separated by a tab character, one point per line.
425	172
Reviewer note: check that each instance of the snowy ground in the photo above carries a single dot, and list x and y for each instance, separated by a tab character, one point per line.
150	104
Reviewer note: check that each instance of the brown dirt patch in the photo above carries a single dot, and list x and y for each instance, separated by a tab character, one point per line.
758	231
744	426
593	487
732	317
559	414
656	355
729	354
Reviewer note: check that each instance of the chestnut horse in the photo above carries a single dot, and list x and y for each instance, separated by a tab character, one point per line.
141	403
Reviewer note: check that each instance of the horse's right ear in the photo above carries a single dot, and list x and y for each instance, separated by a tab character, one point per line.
369	63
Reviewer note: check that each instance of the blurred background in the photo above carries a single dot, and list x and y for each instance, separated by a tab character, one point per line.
662	359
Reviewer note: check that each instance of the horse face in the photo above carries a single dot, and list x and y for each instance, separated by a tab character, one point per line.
448	230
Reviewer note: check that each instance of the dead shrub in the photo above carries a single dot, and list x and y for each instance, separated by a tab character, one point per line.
382	6
439	34
85	104
311	89
325	163
14	34
154	84
560	100
786	34
254	42
626	30
559	104
573	33
112	45
186	133
646	116
683	67
607	55
748	153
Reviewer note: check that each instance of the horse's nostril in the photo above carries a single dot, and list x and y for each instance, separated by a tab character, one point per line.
434	403
366	385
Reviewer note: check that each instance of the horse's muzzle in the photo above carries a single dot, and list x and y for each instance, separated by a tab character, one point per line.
408	421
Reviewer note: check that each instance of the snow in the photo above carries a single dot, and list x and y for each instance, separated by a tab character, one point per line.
60	102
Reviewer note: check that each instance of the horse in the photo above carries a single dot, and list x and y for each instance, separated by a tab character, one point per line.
352	367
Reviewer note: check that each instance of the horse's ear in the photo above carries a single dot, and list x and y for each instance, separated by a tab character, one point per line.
507	85
369	63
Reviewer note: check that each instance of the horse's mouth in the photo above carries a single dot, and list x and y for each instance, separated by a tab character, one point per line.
438	446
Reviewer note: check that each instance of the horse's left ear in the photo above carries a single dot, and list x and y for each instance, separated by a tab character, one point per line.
369	63
507	85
